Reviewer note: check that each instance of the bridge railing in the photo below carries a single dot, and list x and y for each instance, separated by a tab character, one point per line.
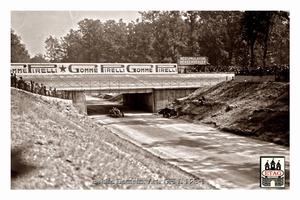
134	84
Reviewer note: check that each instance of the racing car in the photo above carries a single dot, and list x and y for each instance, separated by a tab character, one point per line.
167	112
115	112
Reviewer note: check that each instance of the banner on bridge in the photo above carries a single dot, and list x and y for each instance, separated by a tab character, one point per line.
93	68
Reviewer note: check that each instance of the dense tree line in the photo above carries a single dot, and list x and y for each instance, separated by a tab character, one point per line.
228	38
19	53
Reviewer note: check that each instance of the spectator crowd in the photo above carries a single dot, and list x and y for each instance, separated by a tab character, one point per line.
281	73
32	86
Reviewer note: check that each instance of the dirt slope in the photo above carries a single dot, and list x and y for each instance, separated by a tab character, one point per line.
257	110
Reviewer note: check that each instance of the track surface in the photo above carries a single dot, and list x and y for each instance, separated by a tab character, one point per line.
225	160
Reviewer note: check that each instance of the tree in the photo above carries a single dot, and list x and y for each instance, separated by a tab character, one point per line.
19	53
53	49
92	40
114	41
251	28
258	26
230	38
279	40
166	30
38	58
267	21
193	20
72	47
210	34
139	42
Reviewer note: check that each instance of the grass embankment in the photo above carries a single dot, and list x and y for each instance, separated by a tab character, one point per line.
256	110
55	147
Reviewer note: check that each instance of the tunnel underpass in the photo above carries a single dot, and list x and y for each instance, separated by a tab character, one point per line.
99	106
138	102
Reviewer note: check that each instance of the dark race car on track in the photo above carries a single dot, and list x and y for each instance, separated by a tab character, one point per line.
167	112
115	112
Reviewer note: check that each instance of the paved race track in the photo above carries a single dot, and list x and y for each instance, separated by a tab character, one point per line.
225	160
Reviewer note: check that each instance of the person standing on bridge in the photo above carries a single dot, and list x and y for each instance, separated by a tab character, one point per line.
41	91
12	80
21	84
36	88
54	92
31	86
15	80
50	91
45	90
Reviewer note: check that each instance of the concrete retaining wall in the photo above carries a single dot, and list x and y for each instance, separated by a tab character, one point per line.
163	97
78	98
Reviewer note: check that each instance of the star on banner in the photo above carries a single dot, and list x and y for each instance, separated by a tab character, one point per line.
62	68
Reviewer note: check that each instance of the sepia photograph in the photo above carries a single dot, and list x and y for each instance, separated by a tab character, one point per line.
150	98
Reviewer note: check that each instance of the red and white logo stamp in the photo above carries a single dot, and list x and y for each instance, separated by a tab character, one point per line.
272	171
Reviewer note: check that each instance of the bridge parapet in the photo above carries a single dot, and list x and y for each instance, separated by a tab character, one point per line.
114	85
129	82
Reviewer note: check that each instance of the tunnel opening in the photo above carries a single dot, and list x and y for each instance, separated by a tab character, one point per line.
139	101
101	104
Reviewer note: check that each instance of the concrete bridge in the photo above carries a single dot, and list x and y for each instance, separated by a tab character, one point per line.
145	92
